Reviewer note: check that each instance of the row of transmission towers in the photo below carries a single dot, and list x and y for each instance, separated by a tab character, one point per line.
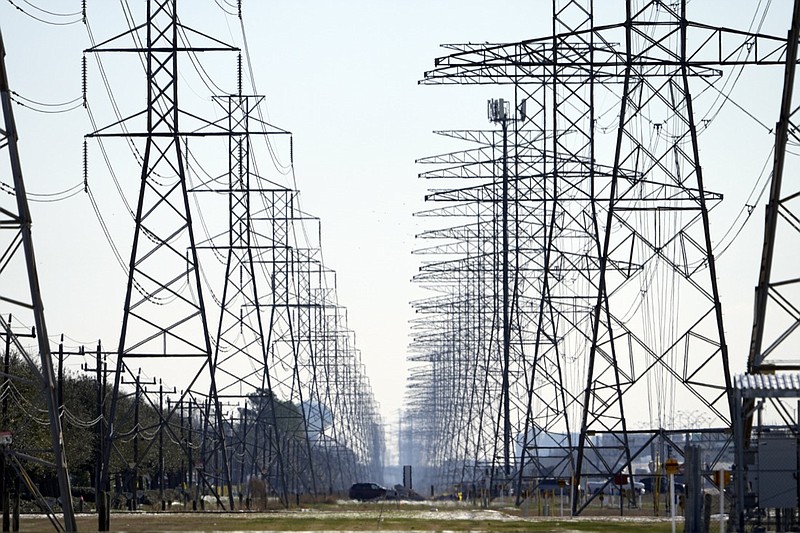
575	305
280	367
231	331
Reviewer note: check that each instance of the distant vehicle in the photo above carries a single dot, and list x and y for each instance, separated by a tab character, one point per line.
366	491
610	488
650	484
549	485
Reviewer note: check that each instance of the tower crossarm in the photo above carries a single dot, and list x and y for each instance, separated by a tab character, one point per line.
530	61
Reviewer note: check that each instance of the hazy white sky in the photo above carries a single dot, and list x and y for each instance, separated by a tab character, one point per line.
342	76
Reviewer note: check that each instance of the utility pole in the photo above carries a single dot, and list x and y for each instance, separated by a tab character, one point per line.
182	434
100	371
60	388
5	491
142	391
135	467
161	445
192	467
138	392
4	499
245	455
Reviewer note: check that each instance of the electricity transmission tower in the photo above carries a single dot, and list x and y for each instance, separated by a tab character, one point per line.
275	388
25	300
241	360
772	362
481	275
164	324
623	233
776	314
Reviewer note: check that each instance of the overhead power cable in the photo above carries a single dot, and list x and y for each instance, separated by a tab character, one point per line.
45	198
754	198
46	111
222	7
139	288
52	13
45	104
106	232
39	19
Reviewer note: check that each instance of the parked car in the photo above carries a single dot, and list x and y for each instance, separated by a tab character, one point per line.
650	484
549	485
366	491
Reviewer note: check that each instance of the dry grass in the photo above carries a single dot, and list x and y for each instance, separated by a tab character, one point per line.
350	516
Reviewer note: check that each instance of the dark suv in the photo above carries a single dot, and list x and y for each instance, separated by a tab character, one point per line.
650	484
366	491
552	485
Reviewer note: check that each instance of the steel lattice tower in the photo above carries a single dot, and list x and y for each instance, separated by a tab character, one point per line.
240	355
278	391
776	314
620	226
673	248
284	322
164	319
496	246
772	356
25	300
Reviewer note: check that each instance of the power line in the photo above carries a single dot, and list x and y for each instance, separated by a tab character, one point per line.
39	19
53	13
45	104
46	111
